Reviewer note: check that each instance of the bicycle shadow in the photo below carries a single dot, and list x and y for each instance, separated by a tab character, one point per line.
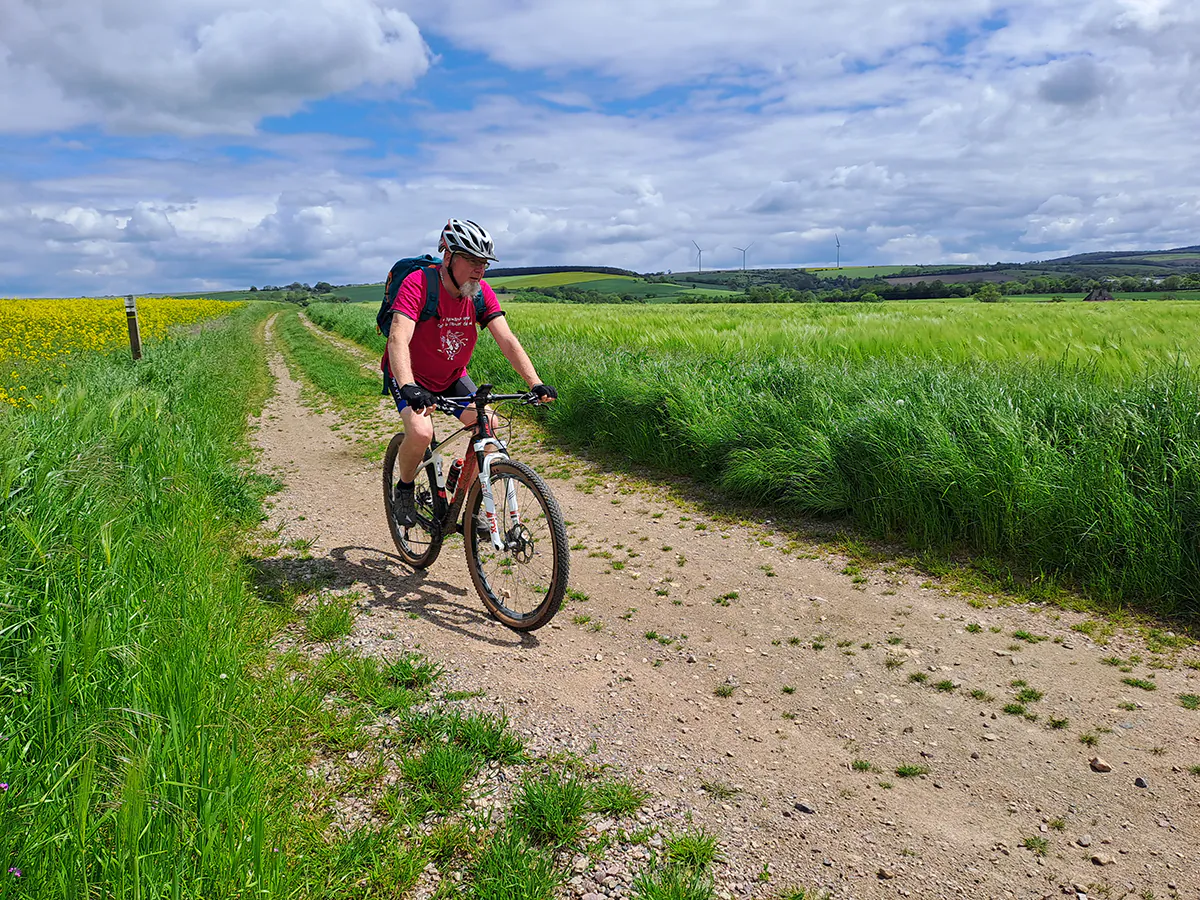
393	585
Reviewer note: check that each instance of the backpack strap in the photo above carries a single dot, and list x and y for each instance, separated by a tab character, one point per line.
433	289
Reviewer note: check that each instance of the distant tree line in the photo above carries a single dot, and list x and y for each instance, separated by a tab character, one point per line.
300	294
569	294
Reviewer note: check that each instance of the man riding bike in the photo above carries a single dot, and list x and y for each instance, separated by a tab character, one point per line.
425	360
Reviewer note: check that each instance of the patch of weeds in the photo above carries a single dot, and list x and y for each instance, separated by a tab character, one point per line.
726	598
576	596
661	638
329	620
673	883
550	808
860	765
794	641
1140	683
447	842
438	778
695	850
628	614
1029	695
790	716
1015	709
617	565
1029	638
1194	770
1127	706
1099	632
1057	824
581	620
866	646
413	672
1189	701
681	560
1038	845
981	695
454	696
788	689
487	736
616	798
974	627
595	626
893	662
662	592
768	571
946	686
599	554
507	868
886	785
1192	663
1088	739
911	771
818	645
579	545
719	790
724	689
895	639
1058	724
918	677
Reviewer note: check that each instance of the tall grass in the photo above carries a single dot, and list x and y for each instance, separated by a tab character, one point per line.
1063	440
126	732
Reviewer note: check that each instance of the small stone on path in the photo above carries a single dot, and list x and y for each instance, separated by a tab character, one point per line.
1141	782
1099	765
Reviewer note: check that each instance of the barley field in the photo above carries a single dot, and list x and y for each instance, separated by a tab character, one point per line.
1061	443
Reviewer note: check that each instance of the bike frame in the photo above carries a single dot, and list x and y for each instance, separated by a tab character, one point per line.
477	465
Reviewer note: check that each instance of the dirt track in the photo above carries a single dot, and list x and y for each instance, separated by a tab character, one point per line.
821	664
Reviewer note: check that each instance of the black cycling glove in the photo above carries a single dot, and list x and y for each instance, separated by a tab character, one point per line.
544	392
416	396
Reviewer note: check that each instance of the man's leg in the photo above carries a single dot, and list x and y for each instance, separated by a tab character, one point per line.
418	432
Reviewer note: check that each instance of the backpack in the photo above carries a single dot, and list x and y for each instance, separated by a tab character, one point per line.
401	270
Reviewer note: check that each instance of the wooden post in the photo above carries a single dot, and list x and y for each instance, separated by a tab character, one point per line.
135	335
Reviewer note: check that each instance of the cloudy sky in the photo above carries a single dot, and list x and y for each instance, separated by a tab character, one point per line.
156	145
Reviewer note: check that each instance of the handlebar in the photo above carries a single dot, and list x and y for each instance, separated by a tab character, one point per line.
452	405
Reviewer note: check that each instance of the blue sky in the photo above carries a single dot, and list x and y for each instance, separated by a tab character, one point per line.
200	144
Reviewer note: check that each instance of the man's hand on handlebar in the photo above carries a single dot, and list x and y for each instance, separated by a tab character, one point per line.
543	393
418	397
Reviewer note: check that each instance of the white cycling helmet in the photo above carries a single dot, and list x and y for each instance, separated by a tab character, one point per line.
464	236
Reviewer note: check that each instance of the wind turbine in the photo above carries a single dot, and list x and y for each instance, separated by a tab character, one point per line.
837	241
699	257
744	249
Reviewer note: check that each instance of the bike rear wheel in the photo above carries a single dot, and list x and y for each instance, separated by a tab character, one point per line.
522	585
418	544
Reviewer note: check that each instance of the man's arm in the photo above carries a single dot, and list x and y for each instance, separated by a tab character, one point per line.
399	335
512	350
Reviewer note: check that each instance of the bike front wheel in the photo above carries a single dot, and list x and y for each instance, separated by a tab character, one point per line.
418	544
523	584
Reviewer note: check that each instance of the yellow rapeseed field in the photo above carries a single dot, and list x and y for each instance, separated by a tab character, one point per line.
37	332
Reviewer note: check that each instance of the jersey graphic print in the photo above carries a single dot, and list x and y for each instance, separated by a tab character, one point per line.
452	343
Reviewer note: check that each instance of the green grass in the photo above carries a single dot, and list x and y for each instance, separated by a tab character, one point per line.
1189	701
911	771
696	849
438	778
616	798
136	746
329	620
550	807
1142	683
508	868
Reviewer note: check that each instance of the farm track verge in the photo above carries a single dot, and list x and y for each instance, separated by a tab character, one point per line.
857	729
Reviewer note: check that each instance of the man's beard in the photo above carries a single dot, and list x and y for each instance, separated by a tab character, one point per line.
469	289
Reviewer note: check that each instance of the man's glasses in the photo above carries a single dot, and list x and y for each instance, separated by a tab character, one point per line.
474	262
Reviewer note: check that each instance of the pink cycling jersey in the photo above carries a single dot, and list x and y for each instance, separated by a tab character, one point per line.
440	347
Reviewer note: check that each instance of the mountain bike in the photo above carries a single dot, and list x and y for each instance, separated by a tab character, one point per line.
512	527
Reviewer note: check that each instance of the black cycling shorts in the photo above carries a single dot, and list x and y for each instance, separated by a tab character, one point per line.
464	387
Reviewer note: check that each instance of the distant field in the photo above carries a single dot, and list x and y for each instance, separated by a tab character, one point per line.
554	279
859	271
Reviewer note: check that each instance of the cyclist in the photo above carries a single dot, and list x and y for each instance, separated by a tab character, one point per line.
427	360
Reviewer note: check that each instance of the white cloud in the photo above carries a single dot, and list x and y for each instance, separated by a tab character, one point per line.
1018	146
196	66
